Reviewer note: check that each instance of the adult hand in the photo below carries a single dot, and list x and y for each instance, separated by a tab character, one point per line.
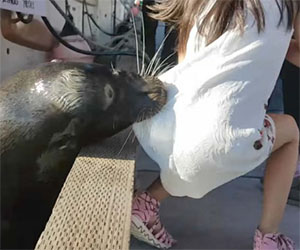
34	35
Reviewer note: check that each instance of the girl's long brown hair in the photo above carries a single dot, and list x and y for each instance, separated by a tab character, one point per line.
223	15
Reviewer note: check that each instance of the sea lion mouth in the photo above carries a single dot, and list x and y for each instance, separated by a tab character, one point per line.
157	94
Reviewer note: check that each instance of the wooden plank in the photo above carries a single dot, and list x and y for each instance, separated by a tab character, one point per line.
93	210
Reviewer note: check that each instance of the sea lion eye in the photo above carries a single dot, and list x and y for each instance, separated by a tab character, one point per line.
109	92
109	95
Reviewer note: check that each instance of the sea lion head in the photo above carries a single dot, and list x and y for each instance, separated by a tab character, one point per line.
139	97
123	97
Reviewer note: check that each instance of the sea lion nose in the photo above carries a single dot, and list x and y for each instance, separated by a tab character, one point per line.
158	93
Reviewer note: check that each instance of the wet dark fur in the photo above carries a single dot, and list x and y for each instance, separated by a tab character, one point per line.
46	115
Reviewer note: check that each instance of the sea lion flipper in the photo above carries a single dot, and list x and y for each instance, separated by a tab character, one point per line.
69	135
61	152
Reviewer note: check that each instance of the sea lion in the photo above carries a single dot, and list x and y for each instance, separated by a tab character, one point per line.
46	115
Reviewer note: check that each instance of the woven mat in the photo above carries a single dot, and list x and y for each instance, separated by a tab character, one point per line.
94	207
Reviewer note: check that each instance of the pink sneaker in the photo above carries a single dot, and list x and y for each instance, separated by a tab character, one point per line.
145	222
272	242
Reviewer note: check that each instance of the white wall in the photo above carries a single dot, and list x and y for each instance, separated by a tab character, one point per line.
14	58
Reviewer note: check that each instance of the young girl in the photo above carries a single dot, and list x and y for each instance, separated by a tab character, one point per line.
214	127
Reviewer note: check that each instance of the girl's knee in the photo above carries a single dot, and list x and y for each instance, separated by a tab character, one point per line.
292	127
286	130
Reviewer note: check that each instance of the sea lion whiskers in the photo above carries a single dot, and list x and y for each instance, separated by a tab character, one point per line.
155	57
136	43
144	44
155	65
125	142
141	115
157	71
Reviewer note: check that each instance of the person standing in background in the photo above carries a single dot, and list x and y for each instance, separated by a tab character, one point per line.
151	25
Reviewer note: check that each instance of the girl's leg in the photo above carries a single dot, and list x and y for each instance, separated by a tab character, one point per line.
145	220
280	170
157	191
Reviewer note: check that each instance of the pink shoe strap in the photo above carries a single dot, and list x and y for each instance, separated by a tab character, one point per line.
285	242
147	209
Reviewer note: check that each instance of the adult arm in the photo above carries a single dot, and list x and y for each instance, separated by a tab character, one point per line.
34	35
